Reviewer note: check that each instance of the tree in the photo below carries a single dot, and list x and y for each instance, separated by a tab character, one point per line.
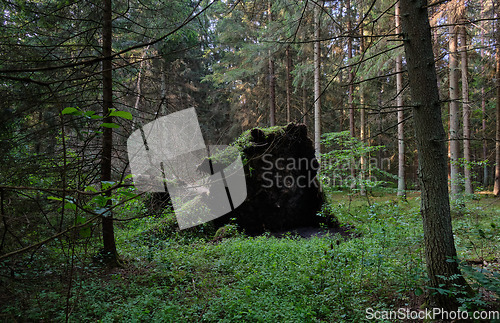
272	77
465	109
350	95
108	236
288	84
399	104
440	253
453	104
496	188
483	107
317	81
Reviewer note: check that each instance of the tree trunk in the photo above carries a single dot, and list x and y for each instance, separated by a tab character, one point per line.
430	137
272	87
108	236
317	82
350	101
465	110
399	103
454	111
304	104
288	85
496	188
350	95
164	86
486	181
362	115
483	108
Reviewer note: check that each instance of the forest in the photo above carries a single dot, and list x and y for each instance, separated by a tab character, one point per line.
250	161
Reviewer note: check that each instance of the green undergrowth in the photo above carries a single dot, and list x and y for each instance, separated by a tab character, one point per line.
209	275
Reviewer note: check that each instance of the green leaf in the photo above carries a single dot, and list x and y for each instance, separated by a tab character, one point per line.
71	110
107	184
121	114
418	291
70	206
91	188
79	220
84	232
128	194
110	125
55	198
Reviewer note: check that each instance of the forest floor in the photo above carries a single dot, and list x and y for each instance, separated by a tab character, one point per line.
375	261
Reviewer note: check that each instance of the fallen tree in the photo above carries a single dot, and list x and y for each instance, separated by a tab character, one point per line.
282	190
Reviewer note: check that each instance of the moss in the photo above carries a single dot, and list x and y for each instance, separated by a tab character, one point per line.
245	139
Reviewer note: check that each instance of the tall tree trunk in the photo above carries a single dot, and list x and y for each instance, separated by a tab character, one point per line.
288	85
380	141
362	114
317	82
350	95
430	137
486	181
108	235
350	101
466	110
399	103
454	110
272	79
483	108
137	106
496	188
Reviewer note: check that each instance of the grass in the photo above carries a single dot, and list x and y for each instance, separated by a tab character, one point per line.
170	276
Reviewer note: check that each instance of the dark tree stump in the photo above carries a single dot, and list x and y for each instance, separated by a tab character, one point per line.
282	190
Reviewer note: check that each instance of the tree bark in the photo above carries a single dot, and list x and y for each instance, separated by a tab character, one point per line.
430	137
399	103
288	85
362	114
350	95
454	110
496	188
317	82
483	108
164	86
272	87
350	101
465	110
108	236
304	104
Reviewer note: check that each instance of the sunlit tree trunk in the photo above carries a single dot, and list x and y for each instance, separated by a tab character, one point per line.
108	236
465	110
317	82
454	110
440	253
399	104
